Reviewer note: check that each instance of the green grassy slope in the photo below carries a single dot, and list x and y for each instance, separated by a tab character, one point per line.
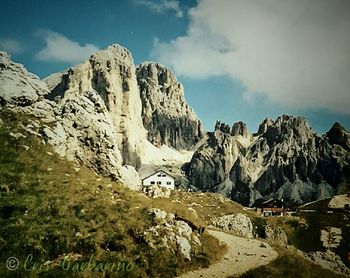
50	207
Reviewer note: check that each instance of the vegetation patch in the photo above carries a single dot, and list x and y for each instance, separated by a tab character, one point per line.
59	218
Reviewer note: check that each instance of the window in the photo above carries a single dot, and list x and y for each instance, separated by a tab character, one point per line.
159	182
163	175
168	182
159	175
152	182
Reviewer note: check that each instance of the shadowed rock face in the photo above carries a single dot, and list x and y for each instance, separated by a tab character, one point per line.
165	113
285	159
339	136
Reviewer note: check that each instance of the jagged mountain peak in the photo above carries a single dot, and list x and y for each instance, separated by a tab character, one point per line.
17	85
285	159
166	114
157	75
284	127
223	127
240	128
5	58
339	135
114	52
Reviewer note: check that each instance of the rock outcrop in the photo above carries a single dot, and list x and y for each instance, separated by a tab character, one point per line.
110	75
165	113
156	191
18	87
239	224
177	235
284	159
95	112
275	234
328	260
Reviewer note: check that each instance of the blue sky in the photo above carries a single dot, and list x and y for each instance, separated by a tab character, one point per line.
238	60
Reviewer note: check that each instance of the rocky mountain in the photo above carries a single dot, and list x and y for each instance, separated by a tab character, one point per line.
110	76
97	112
284	159
115	117
165	113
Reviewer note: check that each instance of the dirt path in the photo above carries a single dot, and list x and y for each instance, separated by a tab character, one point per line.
242	255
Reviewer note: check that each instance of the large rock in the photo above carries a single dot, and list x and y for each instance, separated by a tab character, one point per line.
328	260
18	87
170	233
275	234
111	74
156	191
84	131
239	224
165	114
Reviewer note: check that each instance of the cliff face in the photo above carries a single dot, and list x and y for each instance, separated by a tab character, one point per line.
285	159
165	113
95	112
111	74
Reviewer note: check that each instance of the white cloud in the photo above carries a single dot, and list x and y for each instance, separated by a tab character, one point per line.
11	46
293	52
59	48
162	6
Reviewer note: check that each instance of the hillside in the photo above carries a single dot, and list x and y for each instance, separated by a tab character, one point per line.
51	208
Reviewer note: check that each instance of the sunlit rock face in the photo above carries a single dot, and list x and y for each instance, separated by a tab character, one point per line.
111	74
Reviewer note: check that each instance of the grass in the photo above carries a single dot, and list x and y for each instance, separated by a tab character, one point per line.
51	207
290	265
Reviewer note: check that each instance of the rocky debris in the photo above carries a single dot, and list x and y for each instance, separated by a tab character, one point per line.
331	237
84	132
340	202
275	234
156	191
328	260
284	159
175	233
17	135
18	87
239	224
130	177
165	114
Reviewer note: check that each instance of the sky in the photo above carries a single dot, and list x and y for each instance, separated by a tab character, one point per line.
239	60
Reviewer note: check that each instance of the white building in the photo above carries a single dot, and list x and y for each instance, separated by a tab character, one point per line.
159	178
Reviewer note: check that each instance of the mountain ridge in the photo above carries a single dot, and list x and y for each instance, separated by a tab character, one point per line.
112	116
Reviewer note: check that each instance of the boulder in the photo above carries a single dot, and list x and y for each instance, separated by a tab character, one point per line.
156	191
175	233
276	234
239	224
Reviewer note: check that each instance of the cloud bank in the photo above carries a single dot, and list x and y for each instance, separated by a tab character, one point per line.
162	6
293	52
11	46
59	48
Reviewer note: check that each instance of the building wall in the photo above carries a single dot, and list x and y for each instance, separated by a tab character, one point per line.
160	179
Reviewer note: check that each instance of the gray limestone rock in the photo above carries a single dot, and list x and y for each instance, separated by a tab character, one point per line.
239	224
18	87
167	117
284	159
